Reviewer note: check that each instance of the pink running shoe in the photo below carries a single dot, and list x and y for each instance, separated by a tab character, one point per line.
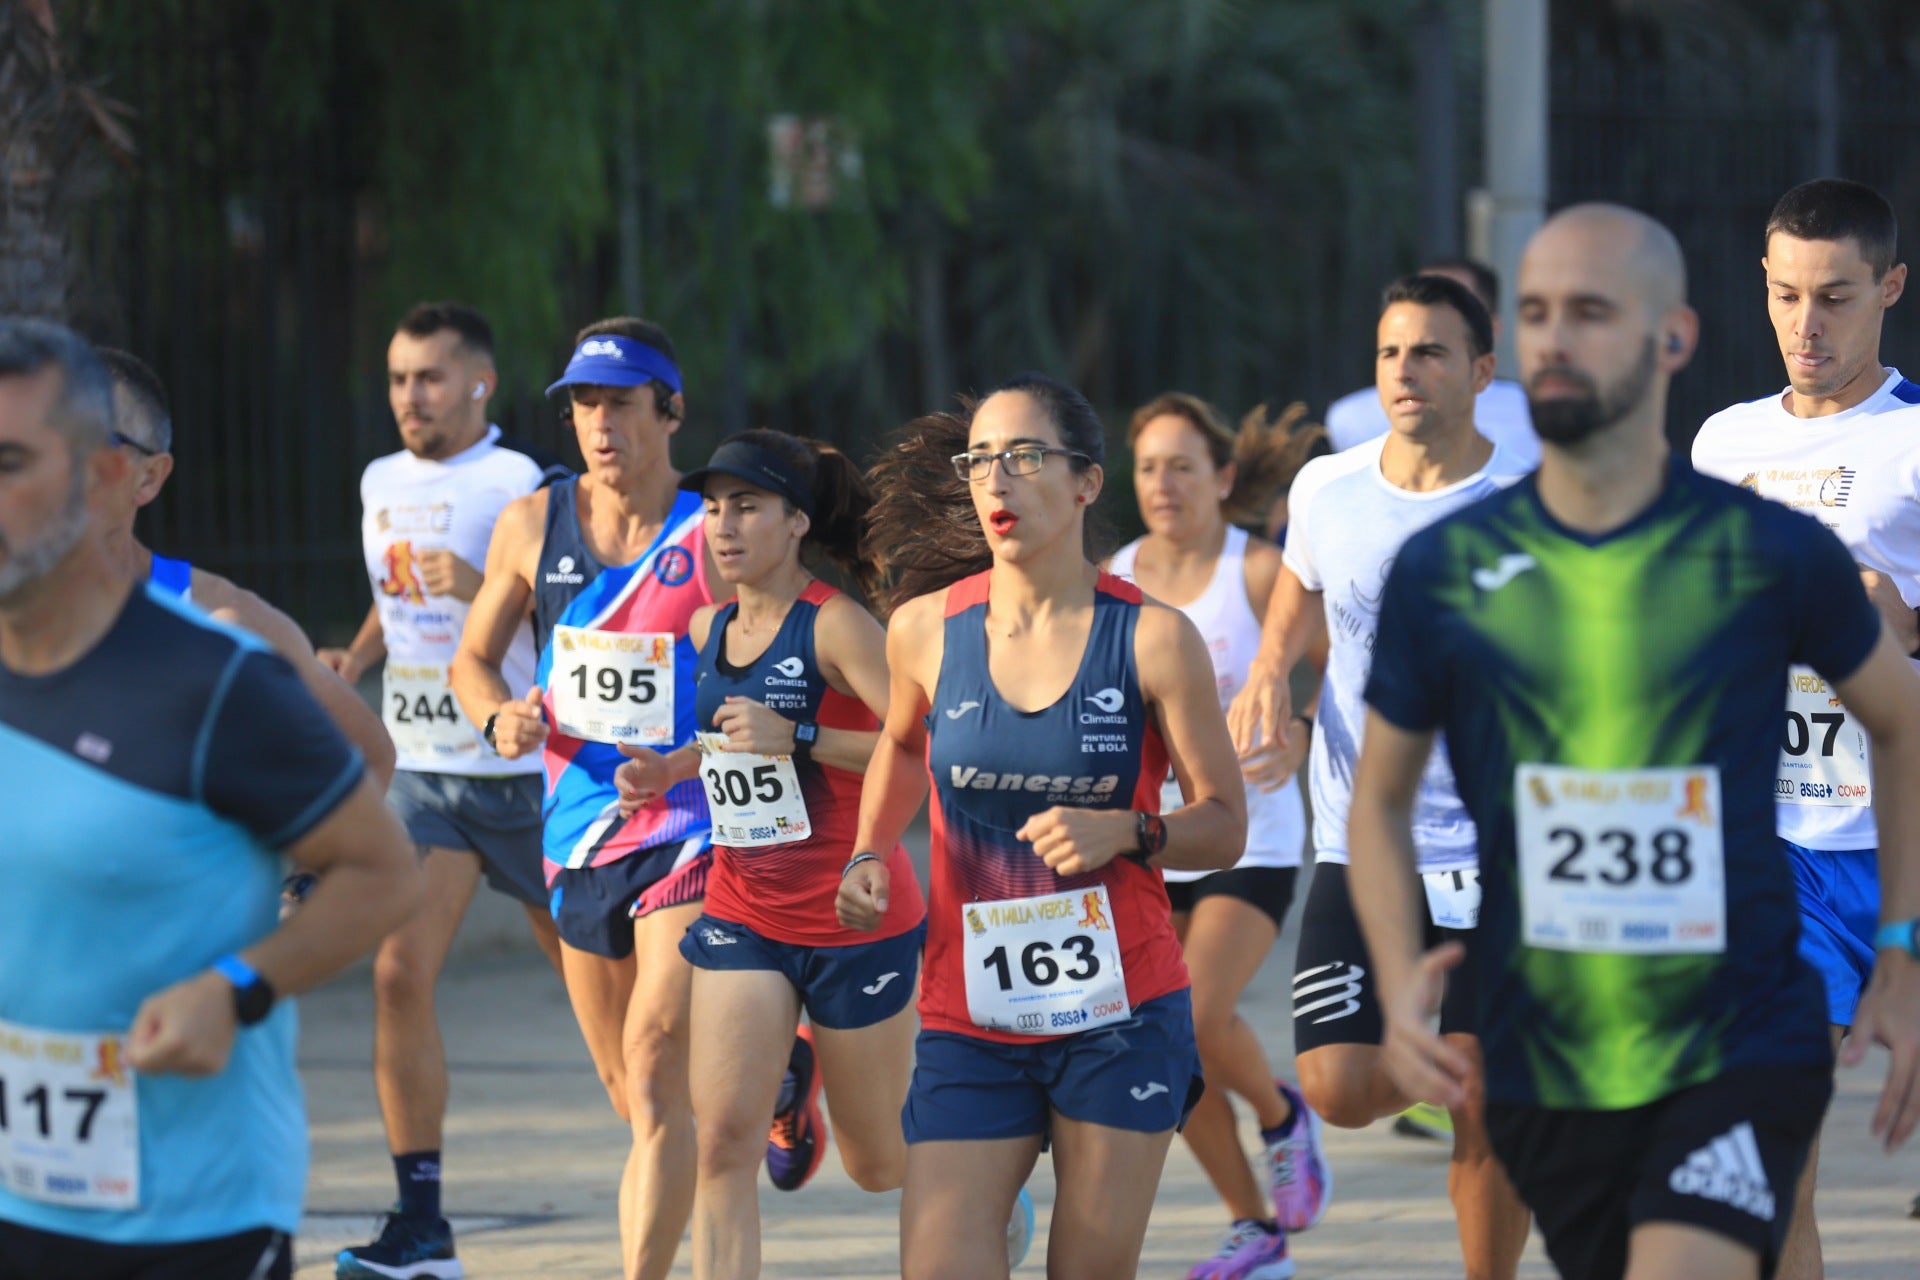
1297	1169
1251	1253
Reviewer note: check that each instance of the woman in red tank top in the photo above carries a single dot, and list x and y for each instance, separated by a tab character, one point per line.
1000	497
792	681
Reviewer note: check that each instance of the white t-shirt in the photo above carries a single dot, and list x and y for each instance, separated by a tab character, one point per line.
1858	473
1345	525
1276	820
409	505
1500	414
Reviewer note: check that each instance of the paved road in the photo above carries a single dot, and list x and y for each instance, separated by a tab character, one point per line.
534	1153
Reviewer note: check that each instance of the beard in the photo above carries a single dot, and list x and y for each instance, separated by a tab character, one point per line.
1568	420
27	565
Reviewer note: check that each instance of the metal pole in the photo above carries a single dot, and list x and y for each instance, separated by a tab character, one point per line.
1439	133
1516	134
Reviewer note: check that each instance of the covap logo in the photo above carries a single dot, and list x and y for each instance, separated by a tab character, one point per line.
674	567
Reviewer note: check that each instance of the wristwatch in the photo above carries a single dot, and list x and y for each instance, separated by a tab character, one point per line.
252	996
486	731
805	734
1150	833
1901	934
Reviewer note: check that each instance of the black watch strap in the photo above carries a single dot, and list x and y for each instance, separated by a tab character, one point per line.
486	730
253	996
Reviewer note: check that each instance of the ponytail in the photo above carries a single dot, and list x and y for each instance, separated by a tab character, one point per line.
1267	454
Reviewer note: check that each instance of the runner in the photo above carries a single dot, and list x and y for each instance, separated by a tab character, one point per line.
612	567
156	1127
427	513
1187	482
1350	514
792	680
1841	443
1055	1006
143	427
1499	411
1604	646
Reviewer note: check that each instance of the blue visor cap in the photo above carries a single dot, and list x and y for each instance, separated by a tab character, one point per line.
612	361
761	468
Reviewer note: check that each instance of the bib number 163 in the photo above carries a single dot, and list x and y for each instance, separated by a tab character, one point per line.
1044	966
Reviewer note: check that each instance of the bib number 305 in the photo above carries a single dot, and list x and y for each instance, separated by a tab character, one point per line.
1044	966
69	1122
1623	861
755	800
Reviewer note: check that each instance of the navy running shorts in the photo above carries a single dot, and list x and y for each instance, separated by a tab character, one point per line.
1142	1074
841	988
594	907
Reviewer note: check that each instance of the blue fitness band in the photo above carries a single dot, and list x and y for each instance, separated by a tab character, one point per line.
1903	935
237	971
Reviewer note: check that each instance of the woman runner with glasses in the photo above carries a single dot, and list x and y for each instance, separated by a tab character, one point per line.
1054	1006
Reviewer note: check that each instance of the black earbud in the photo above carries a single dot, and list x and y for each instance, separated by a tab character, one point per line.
1673	343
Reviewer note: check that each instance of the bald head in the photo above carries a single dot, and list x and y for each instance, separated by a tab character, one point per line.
1604	322
1635	251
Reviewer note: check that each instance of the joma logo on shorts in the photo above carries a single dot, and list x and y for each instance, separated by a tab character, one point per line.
971	778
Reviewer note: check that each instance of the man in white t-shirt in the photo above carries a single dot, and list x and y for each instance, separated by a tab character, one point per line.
1499	411
1841	443
1349	514
428	512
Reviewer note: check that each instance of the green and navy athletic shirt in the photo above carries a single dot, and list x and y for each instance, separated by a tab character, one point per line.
1663	643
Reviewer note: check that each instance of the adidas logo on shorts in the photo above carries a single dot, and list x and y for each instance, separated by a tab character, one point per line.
1728	1169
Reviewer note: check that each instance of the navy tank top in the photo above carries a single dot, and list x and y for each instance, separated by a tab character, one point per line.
566	564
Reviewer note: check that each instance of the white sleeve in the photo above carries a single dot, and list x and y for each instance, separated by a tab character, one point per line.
1297	554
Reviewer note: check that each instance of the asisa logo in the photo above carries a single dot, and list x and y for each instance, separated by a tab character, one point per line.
674	567
971	778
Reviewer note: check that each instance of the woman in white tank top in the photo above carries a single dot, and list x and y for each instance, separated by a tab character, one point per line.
1193	559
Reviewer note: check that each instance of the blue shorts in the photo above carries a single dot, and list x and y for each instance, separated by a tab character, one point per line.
1839	913
594	907
495	819
841	988
1142	1074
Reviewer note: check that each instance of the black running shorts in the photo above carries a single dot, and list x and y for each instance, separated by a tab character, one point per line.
1723	1156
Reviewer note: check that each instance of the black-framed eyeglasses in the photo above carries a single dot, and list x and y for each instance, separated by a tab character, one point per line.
1021	460
144	450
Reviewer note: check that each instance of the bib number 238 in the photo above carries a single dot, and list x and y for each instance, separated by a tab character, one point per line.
611	686
1621	861
1044	966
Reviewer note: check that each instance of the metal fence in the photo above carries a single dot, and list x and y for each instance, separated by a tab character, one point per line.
1707	147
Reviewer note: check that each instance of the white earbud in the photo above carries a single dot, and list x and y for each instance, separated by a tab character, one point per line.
479	389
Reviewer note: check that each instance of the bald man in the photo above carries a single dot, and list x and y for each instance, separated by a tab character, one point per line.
1603	645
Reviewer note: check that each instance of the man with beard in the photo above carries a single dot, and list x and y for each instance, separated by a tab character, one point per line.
155	768
1349	513
1842	444
1603	645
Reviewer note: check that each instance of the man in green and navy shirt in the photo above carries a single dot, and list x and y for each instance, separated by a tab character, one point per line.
1605	646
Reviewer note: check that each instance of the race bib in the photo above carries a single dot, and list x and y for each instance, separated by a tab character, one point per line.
1624	861
69	1121
755	800
1453	898
1044	966
609	686
1824	759
422	717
